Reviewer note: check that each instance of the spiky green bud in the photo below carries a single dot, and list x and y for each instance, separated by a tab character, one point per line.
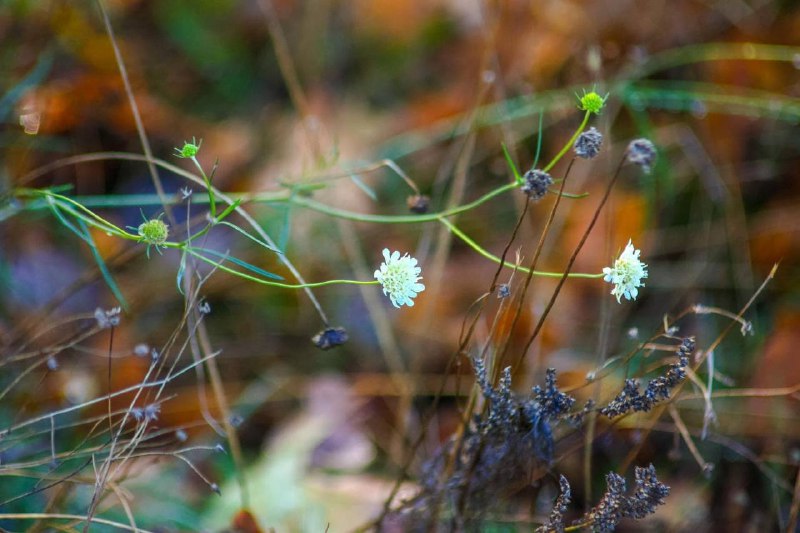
189	149
154	232
591	102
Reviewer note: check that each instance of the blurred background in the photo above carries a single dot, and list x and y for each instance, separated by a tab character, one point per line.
306	99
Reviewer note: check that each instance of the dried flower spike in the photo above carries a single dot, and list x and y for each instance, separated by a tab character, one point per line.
649	494
609	511
588	143
626	274
552	402
641	152
555	522
536	183
658	389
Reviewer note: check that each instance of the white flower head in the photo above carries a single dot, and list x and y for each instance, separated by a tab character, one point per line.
627	273
399	277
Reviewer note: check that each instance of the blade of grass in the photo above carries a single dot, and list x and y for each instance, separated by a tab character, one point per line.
101	264
241	263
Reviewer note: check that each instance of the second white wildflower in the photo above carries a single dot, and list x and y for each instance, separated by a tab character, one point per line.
399	277
627	273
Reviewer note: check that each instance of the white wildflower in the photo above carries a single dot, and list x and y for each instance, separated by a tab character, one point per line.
399	277
626	274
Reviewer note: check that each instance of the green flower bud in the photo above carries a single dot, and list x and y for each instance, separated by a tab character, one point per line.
154	232
189	150
591	102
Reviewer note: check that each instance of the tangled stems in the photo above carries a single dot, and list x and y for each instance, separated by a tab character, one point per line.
266	197
80	208
229	270
95	220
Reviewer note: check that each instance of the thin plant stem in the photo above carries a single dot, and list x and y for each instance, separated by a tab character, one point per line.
521	298
629	458
482	251
687	438
63	516
137	117
794	510
264	197
571	261
569	144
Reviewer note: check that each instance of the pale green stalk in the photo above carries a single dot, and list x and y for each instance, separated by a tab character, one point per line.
488	255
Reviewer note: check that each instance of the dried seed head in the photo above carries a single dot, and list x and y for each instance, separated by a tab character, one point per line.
504	291
588	143
418	203
330	338
536	183
107	318
641	152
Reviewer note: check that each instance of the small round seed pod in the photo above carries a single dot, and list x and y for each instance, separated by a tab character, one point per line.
418	203
588	143
330	338
641	152
536	183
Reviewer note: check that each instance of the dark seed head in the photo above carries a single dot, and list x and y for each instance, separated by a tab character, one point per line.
503	291
641	152
418	203
536	183
588	143
329	338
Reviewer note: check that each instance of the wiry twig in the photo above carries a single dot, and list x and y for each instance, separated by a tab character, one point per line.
646	431
705	466
63	516
571	261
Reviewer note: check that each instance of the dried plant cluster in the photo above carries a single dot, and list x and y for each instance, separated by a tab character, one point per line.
503	447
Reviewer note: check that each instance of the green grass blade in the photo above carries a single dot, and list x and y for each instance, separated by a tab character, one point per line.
241	263
181	272
56	209
252	238
286	225
539	140
511	164
101	264
364	187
